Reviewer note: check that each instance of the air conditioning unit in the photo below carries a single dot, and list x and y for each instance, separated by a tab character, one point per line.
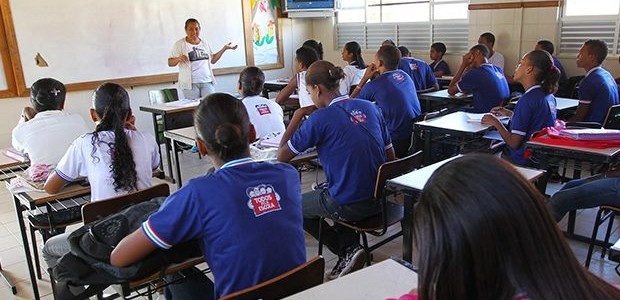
310	9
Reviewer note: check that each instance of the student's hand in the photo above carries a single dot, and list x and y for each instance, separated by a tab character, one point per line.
130	123
371	70
183	59
28	113
230	46
468	59
491	120
304	111
501	111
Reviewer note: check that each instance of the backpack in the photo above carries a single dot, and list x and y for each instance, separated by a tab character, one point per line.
91	246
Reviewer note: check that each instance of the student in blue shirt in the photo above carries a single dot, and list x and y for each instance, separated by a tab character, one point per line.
419	71
439	66
246	214
395	94
598	90
539	78
485	81
352	142
548	46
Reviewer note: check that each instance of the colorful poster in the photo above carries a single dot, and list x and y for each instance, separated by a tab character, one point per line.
264	31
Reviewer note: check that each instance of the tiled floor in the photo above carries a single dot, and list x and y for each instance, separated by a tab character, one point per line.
13	259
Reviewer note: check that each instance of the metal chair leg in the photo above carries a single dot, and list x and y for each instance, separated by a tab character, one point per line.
597	222
35	252
320	235
610	223
366	250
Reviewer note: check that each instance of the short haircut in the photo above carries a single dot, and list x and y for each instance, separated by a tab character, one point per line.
404	51
190	21
388	42
251	80
598	48
489	37
306	56
439	47
482	48
390	56
546	45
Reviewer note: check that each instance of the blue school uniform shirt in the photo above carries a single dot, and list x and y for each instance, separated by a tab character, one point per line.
488	86
351	140
531	114
598	90
419	71
440	65
248	217
557	64
395	93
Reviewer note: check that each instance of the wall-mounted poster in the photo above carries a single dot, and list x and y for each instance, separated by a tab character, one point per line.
264	33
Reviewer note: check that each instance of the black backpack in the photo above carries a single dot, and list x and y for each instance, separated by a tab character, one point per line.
91	246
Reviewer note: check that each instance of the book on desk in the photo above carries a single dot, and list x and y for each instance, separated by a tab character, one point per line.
15	154
591	134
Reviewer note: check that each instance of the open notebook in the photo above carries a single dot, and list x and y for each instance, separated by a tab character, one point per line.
477	118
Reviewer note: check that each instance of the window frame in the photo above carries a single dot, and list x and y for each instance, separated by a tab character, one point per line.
9	52
614	47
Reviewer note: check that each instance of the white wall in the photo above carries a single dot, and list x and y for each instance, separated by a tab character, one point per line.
294	33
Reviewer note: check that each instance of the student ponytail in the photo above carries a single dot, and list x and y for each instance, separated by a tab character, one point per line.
111	103
326	74
222	122
316	46
47	94
251	81
548	74
355	49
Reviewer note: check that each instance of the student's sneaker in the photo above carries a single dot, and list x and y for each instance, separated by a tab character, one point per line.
354	259
194	149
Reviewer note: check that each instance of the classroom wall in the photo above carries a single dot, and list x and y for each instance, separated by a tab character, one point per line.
294	33
516	32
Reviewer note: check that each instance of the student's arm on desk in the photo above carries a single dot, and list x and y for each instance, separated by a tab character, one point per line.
580	113
284	153
512	140
287	91
465	63
54	184
131	249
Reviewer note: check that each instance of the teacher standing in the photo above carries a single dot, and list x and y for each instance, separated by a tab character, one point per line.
194	58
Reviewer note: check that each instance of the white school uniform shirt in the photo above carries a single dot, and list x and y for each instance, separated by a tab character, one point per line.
497	59
304	95
80	162
266	115
352	76
47	136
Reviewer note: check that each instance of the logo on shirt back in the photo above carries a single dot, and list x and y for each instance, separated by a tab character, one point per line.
263	199
398	76
413	67
358	117
263	109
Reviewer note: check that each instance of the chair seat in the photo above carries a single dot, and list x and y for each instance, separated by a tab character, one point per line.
610	207
395	214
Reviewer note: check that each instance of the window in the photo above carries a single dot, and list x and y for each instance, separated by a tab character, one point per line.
581	20
412	23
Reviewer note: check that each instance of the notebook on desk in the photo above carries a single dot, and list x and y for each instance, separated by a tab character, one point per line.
477	118
591	134
16	155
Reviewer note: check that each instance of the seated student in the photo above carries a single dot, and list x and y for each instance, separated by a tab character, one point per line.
598	90
304	57
493	239
485	81
45	131
419	71
495	58
115	158
548	46
439	66
316	46
355	68
246	214
352	142
395	94
539	77
266	115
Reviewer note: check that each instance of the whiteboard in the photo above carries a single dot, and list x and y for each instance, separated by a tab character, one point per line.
88	40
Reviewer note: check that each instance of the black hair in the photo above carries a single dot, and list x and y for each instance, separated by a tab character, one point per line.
482	48
47	94
324	73
356	50
439	47
190	21
404	51
598	48
489	37
390	56
306	56
316	46
493	239
111	103
546	45
251	80
222	123
388	42
548	74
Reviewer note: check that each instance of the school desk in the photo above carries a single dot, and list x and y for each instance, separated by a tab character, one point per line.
456	124
563	103
187	136
274	85
385	279
436	100
444	81
174	115
9	168
412	183
545	153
